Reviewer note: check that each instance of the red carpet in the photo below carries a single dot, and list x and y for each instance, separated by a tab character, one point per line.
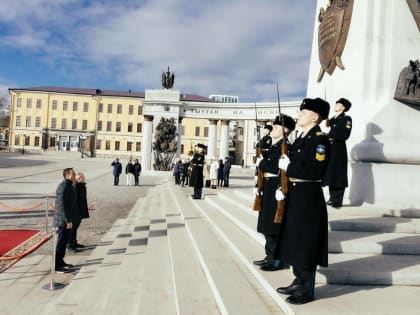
10	239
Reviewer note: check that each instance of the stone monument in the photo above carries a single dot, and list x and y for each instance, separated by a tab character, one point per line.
383	37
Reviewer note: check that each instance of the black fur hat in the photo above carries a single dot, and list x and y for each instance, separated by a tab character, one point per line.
345	102
316	105
289	122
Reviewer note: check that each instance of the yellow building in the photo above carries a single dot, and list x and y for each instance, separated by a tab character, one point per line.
96	122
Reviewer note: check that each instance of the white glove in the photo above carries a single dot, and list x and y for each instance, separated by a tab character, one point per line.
258	161
256	192
279	195
284	162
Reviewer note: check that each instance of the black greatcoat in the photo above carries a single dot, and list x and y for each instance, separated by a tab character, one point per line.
269	164
303	241
197	162
336	175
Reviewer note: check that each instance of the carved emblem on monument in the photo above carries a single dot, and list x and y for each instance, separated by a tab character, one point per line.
415	10
168	79
332	34
408	86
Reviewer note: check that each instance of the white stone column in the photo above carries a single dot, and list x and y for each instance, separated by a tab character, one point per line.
179	140
212	138
224	139
147	143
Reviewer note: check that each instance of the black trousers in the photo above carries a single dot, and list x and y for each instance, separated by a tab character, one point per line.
136	180
336	195
60	250
270	246
73	235
116	180
198	192
306	277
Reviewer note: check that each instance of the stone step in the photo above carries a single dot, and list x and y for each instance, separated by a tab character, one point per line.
238	289
373	224
374	211
373	243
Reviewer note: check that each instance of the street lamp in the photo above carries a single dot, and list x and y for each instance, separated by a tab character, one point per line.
23	145
131	147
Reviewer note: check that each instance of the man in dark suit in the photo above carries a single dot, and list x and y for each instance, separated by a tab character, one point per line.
336	175
66	206
197	179
116	171
303	241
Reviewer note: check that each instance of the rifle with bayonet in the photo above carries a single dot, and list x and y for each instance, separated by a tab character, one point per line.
284	181
260	176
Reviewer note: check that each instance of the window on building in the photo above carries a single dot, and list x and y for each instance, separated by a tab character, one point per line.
29	103
206	131
119	109
138	146
38	103
28	122
64	123
182	149
17	140
27	140
84	124
75	106
18	121
19	102
108	125
118	126
197	131
130	127
65	105
117	146
139	127
107	145
140	110
182	130
99	127
38	122
98	144
109	108
101	108
54	123
36	141
52	142
54	105
85	107
130	109
129	144
74	124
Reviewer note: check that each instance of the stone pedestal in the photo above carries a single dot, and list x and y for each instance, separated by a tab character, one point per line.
383	37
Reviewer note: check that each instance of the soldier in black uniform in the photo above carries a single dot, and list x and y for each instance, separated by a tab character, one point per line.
196	179
270	169
266	140
336	175
303	242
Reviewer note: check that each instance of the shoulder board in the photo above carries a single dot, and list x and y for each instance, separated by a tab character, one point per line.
319	133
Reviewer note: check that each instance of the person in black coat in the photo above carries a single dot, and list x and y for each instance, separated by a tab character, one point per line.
303	241
336	175
83	210
116	171
65	205
220	173
197	179
266	141
226	172
137	172
269	166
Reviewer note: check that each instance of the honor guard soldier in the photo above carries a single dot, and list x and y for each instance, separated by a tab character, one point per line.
303	242
266	140
271	182
336	175
197	179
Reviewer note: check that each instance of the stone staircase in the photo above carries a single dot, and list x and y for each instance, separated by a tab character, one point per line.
175	255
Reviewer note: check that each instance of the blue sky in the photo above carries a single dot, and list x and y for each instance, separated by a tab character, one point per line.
235	47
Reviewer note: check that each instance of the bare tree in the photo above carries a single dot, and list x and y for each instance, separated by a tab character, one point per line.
165	145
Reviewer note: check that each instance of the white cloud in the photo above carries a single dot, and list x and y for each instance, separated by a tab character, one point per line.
237	47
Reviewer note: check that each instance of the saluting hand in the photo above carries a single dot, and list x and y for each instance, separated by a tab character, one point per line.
284	162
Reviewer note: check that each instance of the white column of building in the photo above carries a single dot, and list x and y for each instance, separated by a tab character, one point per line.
146	157
179	140
212	138
224	139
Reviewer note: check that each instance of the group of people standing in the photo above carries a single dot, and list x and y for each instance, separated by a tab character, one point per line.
132	172
315	159
71	208
201	172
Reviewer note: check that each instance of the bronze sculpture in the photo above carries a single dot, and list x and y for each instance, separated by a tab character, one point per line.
415	10
408	86
168	79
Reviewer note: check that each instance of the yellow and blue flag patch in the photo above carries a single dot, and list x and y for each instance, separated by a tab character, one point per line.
320	152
